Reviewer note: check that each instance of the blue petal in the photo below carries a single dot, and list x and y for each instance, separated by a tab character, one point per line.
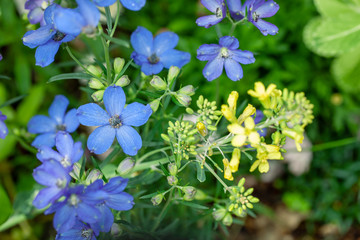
235	9
89	12
106	220
3	130
211	5
150	69
101	139
92	114
142	41
104	3
47	153
46	139
165	41
71	120
133	5
116	185
41	124
121	201
174	57
129	139
208	52
49	13
213	69
58	108
36	15
88	214
69	21
243	57
46	196
229	42
77	152
139	59
268	9
45	54
208	21
135	114
39	36
114	100
233	69
266	27
64	218
68	38
64	143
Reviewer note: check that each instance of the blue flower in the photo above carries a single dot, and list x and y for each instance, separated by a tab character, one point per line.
225	54
117	121
47	127
3	129
215	6
134	5
68	151
80	231
47	39
84	18
237	11
36	10
53	175
155	54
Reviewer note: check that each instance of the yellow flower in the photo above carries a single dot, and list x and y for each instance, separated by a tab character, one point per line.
248	111
235	160
227	170
229	110
262	94
243	134
201	128
264	153
296	134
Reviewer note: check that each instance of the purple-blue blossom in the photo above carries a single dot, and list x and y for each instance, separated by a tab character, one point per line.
55	177
67	152
47	39
155	54
225	54
133	5
3	128
36	10
217	7
115	121
58	120
80	231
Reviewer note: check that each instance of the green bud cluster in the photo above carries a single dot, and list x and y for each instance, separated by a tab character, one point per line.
223	215
207	110
181	134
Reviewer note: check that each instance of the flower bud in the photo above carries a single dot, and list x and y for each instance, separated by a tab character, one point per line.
233	97
123	81
125	166
116	230
156	200
118	64
94	175
94	70
173	74
98	95
219	214
183	99
158	83
187	90
95	84
201	128
165	137
76	171
155	104
189	193
172	180
235	160
227	220
189	110
211	128
200	195
172	169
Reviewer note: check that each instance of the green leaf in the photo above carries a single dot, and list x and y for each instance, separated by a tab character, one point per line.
333	8
5	77
66	76
346	70
22	74
330	37
193	205
96	165
200	172
120	42
30	105
150	195
11	101
5	204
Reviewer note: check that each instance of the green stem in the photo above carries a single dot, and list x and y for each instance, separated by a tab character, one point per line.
161	216
333	144
107	55
148	165
116	21
216	176
145	156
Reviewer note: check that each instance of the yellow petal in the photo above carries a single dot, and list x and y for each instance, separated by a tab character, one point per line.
254	138
227	170
253	93
255	165
235	160
264	167
238	140
236	129
259	88
233	97
249	110
275	155
270	89
228	114
272	148
249	123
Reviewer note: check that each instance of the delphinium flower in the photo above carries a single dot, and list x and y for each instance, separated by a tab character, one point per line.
3	129
53	175
80	231
133	5
115	121
227	55
59	120
237	11
47	39
155	54
68	152
36	10
217	7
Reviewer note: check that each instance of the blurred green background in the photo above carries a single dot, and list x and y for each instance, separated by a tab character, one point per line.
323	202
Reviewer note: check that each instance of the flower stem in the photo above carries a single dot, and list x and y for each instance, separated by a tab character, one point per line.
107	55
162	213
216	176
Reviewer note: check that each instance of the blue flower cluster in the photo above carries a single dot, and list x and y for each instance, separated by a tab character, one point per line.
60	24
3	129
226	53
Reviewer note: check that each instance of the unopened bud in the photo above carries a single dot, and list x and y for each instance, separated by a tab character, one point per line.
123	81
98	95
219	214
118	64
201	128
173	74
189	193
211	128
156	200
116	230
76	171
183	99
187	90
94	175
172	169
125	166
155	104
189	110
276	137
227	221
172	180
158	83
200	195
94	70
165	137
95	84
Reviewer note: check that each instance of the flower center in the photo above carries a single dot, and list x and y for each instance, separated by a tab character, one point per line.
86	233
153	59
224	52
58	36
74	200
61	183
218	13
65	162
115	121
255	16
